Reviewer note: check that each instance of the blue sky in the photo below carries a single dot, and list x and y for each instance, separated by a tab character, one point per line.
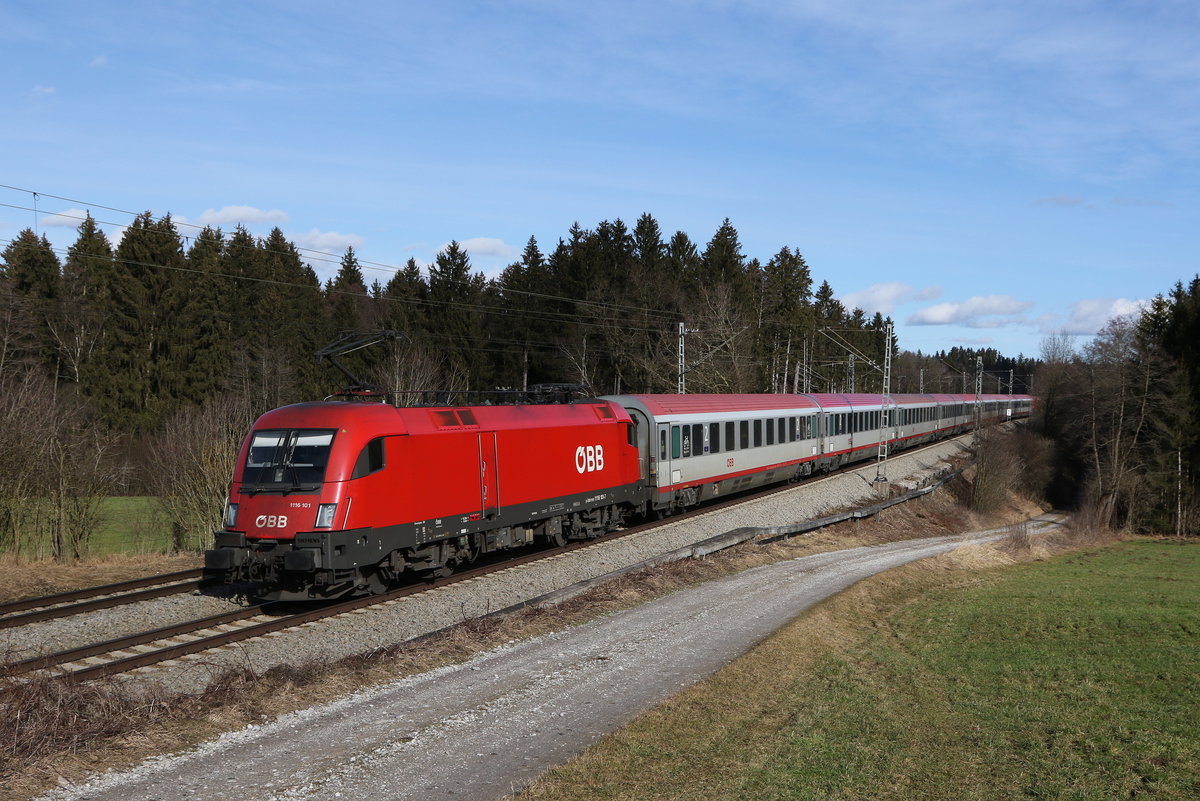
984	172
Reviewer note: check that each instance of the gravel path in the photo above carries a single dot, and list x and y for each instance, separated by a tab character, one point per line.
483	729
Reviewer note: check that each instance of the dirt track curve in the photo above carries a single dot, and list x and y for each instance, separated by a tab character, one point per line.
486	728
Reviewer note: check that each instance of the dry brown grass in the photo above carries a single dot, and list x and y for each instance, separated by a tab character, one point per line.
122	729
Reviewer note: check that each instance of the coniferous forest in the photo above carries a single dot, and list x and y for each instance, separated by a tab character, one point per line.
134	367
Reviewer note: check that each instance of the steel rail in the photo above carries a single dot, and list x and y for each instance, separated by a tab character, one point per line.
121	643
104	589
106	602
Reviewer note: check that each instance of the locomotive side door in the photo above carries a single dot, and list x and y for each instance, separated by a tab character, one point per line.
489	475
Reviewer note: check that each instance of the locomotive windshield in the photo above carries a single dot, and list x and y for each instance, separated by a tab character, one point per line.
287	460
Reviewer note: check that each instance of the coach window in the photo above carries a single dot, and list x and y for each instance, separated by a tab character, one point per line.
758	433
791	429
730	440
745	434
662	444
675	442
714	437
770	432
697	439
781	427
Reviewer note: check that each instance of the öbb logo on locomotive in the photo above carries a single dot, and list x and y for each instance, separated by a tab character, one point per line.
589	458
271	521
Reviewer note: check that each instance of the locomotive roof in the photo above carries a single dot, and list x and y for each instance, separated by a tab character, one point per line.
383	418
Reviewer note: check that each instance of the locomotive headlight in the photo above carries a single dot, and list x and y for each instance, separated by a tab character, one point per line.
230	515
325	513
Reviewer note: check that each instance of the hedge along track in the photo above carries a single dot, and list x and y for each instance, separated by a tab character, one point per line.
129	653
106	596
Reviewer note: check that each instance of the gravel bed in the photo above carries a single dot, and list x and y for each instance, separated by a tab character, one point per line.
60	634
396	621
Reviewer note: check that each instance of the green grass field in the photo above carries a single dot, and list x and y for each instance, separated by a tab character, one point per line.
132	524
1075	678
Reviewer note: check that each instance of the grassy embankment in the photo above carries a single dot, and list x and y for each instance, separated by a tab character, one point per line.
1074	678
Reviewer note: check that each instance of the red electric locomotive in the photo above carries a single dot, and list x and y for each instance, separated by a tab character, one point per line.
335	497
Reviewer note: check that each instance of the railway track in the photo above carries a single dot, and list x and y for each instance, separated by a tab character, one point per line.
128	653
131	652
104	596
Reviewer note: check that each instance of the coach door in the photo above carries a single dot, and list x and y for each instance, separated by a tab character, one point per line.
662	450
489	475
641	433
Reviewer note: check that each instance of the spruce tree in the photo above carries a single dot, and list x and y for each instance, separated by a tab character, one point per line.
455	296
722	261
201	346
82	312
34	276
134	381
347	296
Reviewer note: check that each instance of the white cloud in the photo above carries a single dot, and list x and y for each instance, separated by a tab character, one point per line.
488	247
43	91
327	241
991	311
71	218
884	298
241	214
1089	316
99	61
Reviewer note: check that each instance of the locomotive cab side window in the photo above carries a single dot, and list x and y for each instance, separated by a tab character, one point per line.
370	460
